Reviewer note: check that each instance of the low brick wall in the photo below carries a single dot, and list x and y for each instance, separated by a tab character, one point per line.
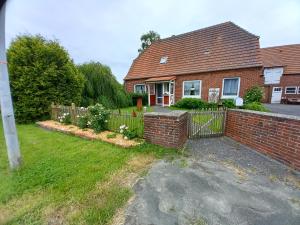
166	129
272	134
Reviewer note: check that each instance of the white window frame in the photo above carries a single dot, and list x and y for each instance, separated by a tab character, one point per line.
290	87
192	96
238	91
140	85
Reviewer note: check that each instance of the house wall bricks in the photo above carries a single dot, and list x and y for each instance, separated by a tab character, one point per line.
277	136
290	80
249	77
166	129
285	81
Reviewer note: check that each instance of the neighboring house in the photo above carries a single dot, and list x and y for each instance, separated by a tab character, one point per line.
282	73
220	61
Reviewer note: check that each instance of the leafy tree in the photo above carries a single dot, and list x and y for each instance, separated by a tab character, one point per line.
102	87
147	39
41	71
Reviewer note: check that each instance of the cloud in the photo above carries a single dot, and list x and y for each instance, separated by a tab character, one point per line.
109	31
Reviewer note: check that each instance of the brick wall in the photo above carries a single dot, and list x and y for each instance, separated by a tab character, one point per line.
275	135
249	77
166	129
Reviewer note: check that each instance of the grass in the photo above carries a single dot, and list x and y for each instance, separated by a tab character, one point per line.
133	123
133	108
66	179
215	125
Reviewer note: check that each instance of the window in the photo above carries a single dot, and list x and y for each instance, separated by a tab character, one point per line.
163	60
299	90
290	90
231	87
192	89
166	88
140	88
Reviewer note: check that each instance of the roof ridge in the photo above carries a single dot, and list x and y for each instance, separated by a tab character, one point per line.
279	46
206	28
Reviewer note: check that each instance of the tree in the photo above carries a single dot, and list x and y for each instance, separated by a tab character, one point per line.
102	87
41	72
147	39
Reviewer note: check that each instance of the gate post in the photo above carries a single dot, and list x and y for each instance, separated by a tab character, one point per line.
166	129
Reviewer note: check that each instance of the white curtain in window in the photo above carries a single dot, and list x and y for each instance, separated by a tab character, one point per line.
231	86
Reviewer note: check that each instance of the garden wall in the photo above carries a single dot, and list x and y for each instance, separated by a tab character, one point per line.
166	129
275	135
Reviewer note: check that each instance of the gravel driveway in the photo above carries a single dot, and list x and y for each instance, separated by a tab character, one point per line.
220	182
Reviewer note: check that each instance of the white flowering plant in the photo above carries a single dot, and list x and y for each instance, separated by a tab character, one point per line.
127	133
65	118
98	118
83	121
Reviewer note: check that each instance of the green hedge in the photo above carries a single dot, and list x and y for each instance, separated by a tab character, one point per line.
256	106
194	103
41	72
135	96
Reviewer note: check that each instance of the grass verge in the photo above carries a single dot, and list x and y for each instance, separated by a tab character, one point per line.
69	180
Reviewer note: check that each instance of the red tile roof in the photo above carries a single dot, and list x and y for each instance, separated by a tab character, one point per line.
219	47
287	56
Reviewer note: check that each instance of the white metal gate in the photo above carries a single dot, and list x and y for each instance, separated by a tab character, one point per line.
206	123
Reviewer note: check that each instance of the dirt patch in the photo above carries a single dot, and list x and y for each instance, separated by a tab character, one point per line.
88	133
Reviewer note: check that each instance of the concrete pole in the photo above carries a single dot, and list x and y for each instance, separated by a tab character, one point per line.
7	112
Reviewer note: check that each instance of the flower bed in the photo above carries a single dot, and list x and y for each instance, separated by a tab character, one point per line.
106	136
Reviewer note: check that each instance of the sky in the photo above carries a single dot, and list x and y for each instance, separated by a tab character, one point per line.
109	31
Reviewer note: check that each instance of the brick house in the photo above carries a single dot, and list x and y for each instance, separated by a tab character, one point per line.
217	62
282	73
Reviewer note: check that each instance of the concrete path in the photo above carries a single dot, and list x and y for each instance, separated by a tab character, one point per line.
161	109
210	188
284	109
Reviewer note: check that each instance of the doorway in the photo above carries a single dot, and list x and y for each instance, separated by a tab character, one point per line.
159	93
276	95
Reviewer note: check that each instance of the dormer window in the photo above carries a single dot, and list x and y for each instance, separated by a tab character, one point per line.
163	60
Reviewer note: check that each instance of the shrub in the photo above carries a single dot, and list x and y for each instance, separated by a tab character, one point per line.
135	96
83	121
98	118
256	106
112	135
41	72
190	103
228	103
127	133
102	87
65	118
254	94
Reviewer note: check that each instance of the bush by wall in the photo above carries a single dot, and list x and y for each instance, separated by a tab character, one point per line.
194	103
41	71
254	94
228	103
256	106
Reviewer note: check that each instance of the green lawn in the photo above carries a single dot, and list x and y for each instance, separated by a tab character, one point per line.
68	179
132	108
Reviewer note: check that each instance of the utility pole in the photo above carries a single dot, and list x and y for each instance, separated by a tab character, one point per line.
7	112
